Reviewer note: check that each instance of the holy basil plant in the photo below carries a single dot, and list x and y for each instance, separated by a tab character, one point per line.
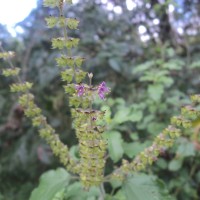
85	177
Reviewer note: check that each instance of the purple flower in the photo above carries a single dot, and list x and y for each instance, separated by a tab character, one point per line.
80	89
94	118
102	90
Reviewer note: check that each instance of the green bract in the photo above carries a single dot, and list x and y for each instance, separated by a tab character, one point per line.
54	3
20	87
72	23
67	75
5	55
51	3
61	42
61	21
51	21
11	72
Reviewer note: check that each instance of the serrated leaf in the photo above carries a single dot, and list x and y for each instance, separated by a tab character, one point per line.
114	145
144	187
51	183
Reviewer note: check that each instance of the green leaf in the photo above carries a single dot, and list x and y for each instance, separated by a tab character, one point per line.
143	67
121	115
114	63
195	64
75	191
74	152
114	145
135	116
170	52
185	148
116	183
154	127
175	164
118	196
166	81
51	183
155	91
59	195
162	163
144	187
134	136
174	64
132	149
126	114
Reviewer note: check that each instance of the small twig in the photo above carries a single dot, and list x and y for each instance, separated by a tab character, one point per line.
103	193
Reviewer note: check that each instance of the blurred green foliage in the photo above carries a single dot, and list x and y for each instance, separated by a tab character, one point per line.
150	80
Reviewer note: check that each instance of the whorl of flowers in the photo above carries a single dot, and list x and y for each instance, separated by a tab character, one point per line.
92	146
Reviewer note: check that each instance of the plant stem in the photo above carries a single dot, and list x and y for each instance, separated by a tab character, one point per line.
102	195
